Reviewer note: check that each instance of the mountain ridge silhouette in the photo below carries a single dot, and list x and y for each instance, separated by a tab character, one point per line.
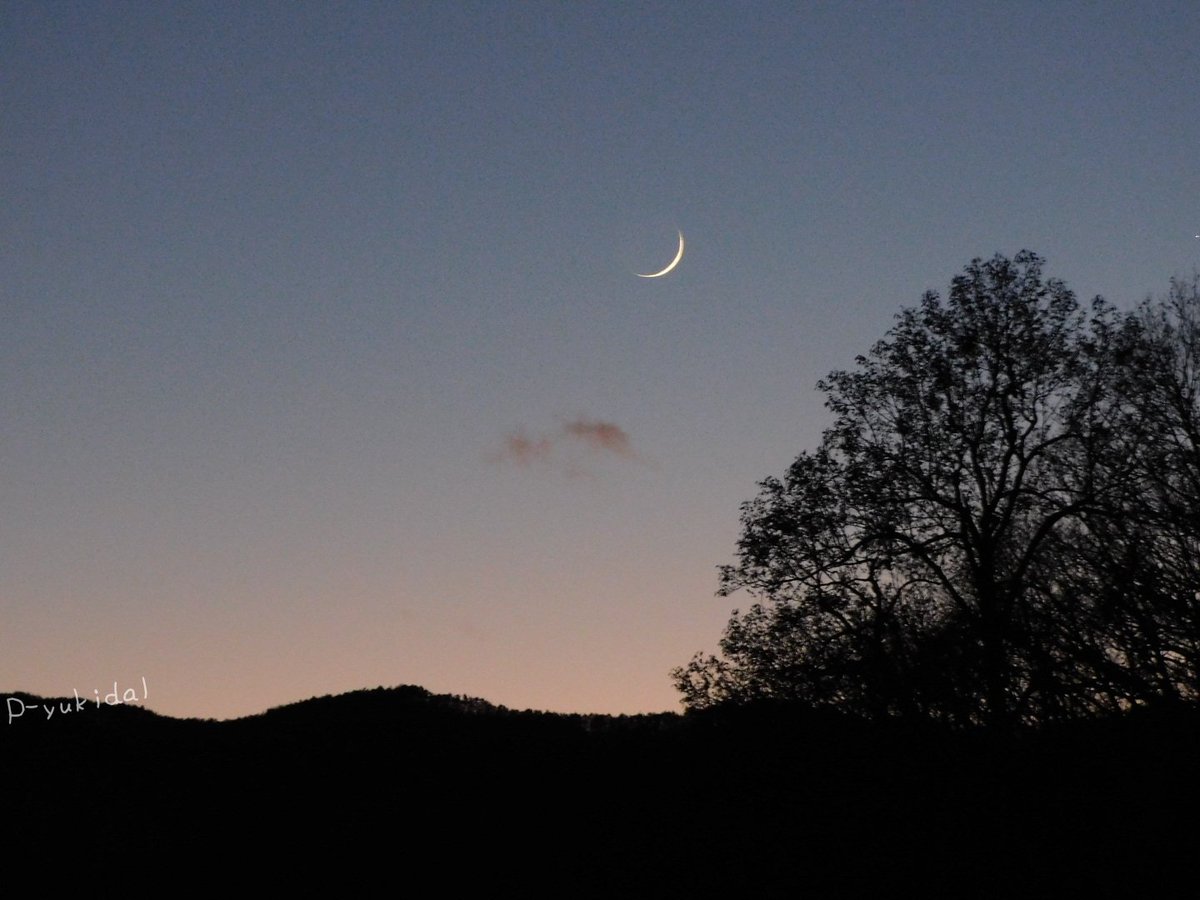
766	799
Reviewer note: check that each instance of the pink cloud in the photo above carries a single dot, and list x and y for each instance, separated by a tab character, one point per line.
524	451
604	436
555	449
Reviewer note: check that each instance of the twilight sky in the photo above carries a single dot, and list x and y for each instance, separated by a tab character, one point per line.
322	360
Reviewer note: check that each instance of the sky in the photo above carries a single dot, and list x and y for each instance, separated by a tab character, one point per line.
323	359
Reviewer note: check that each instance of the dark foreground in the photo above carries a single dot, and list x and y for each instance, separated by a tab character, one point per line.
755	803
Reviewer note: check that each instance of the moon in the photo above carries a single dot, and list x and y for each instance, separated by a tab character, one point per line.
672	265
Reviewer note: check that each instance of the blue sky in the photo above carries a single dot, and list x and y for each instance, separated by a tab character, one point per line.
282	283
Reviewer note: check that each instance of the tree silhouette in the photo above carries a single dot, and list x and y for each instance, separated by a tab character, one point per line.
1141	567
930	557
1169	402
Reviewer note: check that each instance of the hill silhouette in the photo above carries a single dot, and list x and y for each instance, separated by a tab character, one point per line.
761	800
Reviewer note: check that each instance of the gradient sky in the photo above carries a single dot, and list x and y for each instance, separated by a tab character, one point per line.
322	360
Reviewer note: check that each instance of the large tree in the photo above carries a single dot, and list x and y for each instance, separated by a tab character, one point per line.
1168	404
1139	569
905	566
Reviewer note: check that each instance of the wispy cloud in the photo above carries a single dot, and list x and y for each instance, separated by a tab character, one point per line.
560	448
604	437
524	451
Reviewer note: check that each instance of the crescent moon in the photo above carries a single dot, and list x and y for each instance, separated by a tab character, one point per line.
673	264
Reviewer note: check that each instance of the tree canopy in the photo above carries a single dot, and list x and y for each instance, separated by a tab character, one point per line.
1001	525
